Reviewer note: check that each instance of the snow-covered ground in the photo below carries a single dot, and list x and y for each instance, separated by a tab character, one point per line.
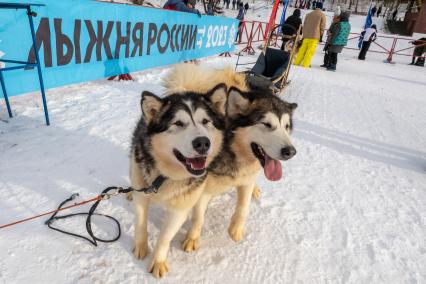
350	209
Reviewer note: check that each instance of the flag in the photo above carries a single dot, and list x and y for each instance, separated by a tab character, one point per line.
271	22
368	22
283	15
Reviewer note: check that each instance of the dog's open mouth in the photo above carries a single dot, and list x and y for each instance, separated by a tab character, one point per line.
271	167
195	166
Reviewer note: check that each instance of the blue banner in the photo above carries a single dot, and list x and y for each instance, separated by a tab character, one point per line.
82	40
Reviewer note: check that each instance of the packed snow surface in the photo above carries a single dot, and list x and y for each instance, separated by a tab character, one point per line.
351	207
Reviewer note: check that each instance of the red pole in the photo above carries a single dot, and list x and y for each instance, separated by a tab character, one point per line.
392	50
249	47
271	22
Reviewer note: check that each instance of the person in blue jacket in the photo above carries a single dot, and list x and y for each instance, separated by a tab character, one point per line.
179	5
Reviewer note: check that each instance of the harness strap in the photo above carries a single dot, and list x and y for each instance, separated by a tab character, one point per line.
106	194
93	239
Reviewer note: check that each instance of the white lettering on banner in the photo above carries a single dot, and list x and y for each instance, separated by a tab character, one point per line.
88	44
232	36
225	30
201	32
216	36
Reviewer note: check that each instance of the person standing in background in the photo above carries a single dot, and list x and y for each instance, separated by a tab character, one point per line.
227	3
394	14
313	29
294	21
246	7
368	36
338	39
240	17
337	13
210	9
379	11
233	4
373	11
418	51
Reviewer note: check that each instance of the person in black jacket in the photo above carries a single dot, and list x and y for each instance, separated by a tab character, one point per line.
419	49
379	11
294	21
373	11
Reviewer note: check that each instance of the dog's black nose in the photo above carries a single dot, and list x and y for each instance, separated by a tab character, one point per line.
288	152
201	145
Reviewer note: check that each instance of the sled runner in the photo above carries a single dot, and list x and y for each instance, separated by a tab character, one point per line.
273	65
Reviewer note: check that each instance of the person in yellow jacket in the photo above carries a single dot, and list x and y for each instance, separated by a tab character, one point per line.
313	29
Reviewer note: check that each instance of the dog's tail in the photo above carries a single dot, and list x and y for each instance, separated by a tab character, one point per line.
201	79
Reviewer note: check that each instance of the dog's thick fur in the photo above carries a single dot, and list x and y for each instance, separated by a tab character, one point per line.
193	77
163	144
253	116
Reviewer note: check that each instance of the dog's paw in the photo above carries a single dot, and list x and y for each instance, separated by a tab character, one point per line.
236	232
190	245
256	192
129	196
140	250
158	269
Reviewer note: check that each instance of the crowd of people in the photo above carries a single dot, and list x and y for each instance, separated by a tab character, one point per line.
336	38
376	11
312	31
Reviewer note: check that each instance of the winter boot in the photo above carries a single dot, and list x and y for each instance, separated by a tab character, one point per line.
331	67
420	62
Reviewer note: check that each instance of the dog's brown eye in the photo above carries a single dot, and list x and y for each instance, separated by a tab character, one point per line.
268	125
179	123
205	121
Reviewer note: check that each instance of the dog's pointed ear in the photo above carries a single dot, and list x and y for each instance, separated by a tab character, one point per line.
150	104
238	103
293	106
218	96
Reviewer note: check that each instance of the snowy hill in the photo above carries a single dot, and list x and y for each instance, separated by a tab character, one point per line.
350	209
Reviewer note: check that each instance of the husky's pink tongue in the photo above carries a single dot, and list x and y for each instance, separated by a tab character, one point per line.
272	169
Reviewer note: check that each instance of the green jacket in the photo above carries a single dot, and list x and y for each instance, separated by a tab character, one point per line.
340	33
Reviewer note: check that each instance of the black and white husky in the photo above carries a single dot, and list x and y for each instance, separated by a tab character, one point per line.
257	136
177	137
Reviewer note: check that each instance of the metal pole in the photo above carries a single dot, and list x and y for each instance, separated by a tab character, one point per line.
40	77
3	86
389	59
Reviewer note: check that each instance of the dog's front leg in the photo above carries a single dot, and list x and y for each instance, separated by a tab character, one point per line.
140	249
174	220
236	228
192	241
